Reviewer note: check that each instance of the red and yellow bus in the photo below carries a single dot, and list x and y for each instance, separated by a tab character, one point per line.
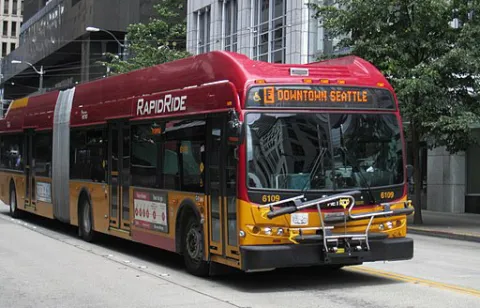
221	159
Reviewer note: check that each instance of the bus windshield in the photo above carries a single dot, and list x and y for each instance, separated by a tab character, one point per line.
323	151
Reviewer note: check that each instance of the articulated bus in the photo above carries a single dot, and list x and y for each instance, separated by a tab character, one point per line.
221	159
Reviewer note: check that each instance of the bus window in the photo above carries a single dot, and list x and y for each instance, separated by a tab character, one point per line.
11	152
192	159
87	153
42	154
170	166
146	148
183	165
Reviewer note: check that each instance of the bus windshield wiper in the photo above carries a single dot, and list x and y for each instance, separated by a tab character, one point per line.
318	159
317	164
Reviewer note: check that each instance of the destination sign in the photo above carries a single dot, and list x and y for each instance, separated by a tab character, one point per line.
319	96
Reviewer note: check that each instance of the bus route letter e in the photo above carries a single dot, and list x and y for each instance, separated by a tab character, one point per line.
167	104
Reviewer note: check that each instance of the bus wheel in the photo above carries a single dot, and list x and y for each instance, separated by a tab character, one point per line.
193	244
14	211
334	267
86	222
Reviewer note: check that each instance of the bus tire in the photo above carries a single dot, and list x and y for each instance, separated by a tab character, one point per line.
86	222
334	267
14	211
193	246
326	268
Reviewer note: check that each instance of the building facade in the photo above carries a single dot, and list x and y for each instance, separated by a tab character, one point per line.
11	12
280	31
11	18
54	37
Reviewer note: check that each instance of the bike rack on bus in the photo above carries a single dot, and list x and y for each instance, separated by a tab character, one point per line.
345	200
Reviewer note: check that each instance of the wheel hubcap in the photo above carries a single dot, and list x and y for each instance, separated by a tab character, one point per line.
194	248
86	219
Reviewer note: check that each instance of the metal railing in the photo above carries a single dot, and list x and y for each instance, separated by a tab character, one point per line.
347	202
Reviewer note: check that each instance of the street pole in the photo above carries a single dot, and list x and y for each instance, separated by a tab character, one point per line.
120	45
41	72
40	86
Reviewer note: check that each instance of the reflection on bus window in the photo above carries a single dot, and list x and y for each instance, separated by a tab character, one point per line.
169	158
183	154
323	151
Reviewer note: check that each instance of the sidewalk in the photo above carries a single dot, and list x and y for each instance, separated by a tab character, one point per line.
448	225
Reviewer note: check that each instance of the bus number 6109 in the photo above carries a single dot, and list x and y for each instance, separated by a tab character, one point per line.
270	198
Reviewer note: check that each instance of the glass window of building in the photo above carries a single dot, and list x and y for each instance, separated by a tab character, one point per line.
269	39
203	30
15	7
14	28
231	26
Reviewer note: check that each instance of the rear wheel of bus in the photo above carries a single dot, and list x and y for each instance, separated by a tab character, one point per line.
86	222
193	247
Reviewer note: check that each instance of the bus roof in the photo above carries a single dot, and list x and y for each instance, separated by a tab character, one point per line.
225	75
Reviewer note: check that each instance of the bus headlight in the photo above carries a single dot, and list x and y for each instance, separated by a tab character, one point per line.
268	231
241	233
280	231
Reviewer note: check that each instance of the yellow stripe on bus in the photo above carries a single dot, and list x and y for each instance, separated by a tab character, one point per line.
19	103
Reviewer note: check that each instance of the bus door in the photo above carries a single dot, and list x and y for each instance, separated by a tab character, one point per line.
119	174
221	188
30	199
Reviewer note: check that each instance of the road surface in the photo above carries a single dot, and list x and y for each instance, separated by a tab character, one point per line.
44	264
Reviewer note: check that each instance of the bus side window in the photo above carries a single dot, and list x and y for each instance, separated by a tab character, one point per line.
12	150
146	156
42	154
192	166
183	167
170	165
87	155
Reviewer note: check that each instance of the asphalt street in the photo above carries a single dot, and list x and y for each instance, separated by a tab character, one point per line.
45	264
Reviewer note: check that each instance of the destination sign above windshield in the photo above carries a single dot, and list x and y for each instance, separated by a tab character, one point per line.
319	96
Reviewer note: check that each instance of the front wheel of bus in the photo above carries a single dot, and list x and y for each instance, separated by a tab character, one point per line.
193	244
85	224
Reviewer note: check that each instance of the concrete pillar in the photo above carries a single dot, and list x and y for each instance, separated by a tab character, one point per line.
293	31
191	31
245	28
216	25
85	70
446	181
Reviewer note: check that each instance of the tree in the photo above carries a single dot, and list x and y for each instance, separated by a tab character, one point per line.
162	39
429	51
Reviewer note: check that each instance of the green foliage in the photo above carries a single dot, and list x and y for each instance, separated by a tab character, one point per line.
161	40
432	65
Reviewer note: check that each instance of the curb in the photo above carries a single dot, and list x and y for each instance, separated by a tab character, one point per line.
444	234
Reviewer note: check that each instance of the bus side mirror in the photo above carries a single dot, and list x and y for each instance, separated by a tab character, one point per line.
235	129
409	171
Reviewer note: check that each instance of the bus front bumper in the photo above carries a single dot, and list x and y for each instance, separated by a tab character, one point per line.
267	257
